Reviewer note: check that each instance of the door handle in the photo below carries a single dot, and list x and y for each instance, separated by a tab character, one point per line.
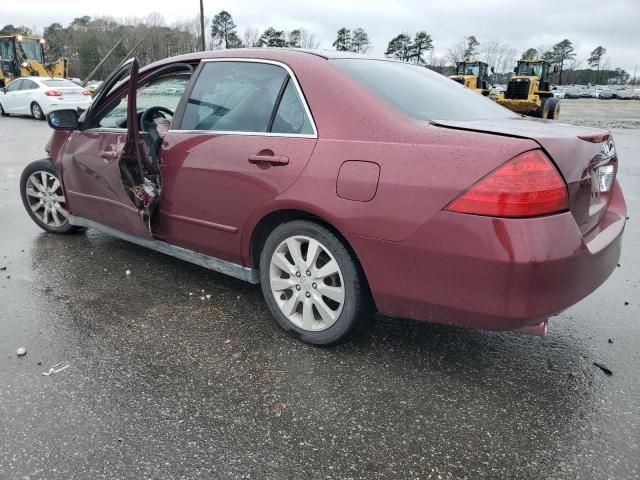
270	159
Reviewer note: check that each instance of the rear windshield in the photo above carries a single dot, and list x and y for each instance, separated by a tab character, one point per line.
58	82
420	92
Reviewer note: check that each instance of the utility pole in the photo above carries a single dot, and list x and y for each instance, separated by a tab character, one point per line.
202	25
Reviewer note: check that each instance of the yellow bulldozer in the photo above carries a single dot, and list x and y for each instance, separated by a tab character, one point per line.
24	56
473	75
528	91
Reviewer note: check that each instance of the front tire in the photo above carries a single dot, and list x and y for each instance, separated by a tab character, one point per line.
2	112
36	111
554	108
312	284
43	198
543	110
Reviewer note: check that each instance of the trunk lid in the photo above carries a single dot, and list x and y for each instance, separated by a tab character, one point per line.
577	152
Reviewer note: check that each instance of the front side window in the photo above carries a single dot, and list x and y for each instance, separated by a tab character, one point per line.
234	96
15	85
162	92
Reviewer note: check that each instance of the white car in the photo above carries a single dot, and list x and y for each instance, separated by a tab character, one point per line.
37	96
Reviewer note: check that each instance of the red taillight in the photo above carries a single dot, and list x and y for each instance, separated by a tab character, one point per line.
526	186
53	93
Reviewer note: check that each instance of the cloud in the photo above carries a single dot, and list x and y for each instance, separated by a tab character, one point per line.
587	23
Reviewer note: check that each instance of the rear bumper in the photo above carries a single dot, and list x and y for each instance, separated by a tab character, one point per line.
492	273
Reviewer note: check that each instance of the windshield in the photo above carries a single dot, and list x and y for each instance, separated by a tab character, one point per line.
420	92
468	69
32	50
530	69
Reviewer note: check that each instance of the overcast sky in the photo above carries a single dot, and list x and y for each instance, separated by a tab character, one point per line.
614	24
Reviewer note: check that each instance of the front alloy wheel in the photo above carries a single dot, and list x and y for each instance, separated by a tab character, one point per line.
44	199
312	284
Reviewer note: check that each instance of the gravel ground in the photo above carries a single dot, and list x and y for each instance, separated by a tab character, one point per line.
163	385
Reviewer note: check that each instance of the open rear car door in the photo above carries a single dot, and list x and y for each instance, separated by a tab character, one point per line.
108	174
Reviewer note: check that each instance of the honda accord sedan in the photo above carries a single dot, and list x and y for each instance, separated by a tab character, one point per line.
343	185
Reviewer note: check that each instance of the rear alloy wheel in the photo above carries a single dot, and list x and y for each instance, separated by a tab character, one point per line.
36	111
44	199
311	283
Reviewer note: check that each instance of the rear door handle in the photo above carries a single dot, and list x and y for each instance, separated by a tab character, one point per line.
270	159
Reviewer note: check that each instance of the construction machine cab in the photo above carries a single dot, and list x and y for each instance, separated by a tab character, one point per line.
473	75
539	68
22	56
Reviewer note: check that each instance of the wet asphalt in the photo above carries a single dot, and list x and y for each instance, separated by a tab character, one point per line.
161	384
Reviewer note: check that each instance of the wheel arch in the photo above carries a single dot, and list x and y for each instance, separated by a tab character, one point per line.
270	220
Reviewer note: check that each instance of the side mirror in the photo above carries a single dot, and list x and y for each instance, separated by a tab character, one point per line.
3	90
63	120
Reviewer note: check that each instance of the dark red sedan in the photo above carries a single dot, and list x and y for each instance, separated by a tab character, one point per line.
341	185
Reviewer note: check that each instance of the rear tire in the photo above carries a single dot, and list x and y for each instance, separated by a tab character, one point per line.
554	108
36	111
43	198
2	112
306	300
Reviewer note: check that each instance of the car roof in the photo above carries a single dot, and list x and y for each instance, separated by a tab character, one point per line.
284	55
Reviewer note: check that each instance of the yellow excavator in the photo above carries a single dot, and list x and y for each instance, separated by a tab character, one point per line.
473	75
528	91
24	56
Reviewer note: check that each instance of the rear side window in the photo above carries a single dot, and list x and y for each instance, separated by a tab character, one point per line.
290	116
29	85
234	96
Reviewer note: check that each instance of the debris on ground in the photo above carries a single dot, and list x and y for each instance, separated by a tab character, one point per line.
626	303
201	298
208	296
21	352
3	268
610	340
604	368
227	342
55	369
190	294
279	408
127	273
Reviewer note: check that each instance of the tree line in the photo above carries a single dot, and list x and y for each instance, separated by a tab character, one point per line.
86	40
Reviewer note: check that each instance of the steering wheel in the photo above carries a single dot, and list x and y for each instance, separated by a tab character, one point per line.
148	125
